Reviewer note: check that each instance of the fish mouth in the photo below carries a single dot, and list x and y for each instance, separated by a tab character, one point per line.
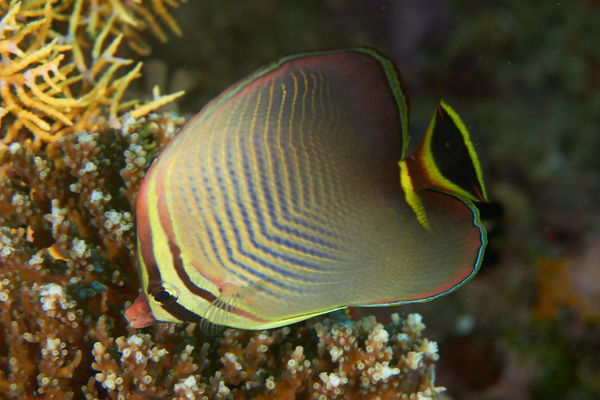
139	315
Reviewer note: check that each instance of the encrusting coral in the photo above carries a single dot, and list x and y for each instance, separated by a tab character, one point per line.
73	153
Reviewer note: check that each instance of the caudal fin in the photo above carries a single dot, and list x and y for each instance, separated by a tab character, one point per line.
447	159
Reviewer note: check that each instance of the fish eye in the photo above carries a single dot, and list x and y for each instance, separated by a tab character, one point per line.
163	292
162	297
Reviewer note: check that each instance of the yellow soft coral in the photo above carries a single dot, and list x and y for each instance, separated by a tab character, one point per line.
28	91
35	85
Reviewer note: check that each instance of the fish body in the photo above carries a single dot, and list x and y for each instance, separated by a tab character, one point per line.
291	195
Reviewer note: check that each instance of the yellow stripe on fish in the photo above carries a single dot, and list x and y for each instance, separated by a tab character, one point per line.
291	195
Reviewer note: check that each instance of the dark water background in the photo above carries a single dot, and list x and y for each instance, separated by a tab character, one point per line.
527	74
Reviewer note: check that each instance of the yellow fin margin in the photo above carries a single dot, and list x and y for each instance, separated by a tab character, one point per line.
412	198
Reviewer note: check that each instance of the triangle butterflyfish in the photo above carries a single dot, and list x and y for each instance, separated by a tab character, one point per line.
292	194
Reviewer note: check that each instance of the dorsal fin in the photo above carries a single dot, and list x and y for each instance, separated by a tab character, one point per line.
447	159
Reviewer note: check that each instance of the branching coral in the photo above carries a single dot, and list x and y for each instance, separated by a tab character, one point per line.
272	364
73	203
368	361
49	86
143	369
41	349
67	243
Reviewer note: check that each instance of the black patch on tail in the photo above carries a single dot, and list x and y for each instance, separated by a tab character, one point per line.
451	155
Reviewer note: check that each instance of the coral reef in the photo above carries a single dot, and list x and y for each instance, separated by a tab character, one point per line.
66	257
323	360
75	143
67	245
528	75
51	343
272	364
380	367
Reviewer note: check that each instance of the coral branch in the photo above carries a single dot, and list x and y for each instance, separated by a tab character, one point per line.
37	91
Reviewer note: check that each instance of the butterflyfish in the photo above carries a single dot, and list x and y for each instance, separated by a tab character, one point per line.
292	195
